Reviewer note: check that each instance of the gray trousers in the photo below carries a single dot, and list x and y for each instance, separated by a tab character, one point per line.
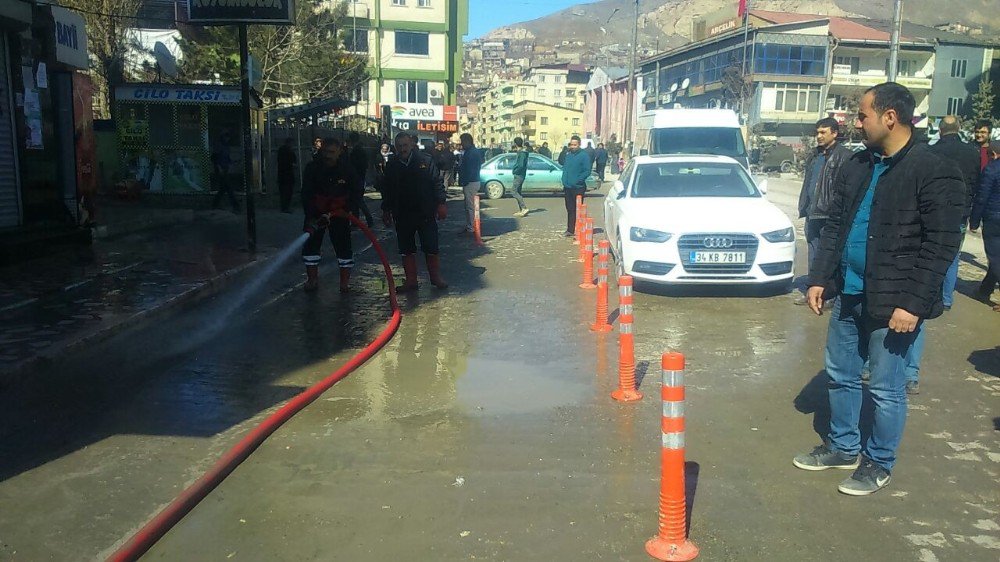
470	190
515	192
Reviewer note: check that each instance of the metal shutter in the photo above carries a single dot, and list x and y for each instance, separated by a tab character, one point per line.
10	204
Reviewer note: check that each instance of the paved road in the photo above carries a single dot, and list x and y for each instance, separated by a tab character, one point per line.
485	430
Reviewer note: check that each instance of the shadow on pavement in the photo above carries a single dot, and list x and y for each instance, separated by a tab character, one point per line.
814	399
986	361
691	472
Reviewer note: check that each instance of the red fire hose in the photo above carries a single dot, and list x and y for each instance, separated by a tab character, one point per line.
146	537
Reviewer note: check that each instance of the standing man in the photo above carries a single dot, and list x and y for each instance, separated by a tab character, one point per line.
222	162
317	145
286	174
891	234
562	155
545	151
575	172
982	135
986	211
358	159
817	185
468	178
601	160
951	148
520	171
446	163
414	199
329	192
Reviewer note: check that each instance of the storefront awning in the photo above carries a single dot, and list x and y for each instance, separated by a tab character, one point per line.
311	109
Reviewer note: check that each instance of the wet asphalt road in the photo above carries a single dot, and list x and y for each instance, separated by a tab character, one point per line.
485	431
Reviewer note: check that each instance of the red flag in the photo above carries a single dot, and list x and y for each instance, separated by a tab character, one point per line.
742	12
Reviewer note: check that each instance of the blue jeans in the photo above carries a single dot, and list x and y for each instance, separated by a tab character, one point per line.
951	277
854	337
912	361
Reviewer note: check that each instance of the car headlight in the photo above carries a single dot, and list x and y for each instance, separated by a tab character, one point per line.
647	235
783	235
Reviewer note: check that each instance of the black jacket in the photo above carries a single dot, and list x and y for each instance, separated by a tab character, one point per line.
327	187
913	232
815	203
987	204
952	149
412	191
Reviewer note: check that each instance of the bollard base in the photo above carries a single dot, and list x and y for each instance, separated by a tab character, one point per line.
662	549
587	286
626	395
601	327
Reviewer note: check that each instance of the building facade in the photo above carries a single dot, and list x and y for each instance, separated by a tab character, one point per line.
414	50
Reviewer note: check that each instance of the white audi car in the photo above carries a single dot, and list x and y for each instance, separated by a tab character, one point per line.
676	219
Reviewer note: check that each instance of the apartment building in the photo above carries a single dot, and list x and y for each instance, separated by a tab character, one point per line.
414	50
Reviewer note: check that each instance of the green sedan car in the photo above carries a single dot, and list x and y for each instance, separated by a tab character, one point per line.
544	176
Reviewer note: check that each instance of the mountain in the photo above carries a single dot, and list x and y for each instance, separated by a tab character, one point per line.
667	23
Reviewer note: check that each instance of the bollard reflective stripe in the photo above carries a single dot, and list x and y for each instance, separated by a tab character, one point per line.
626	391
601	321
673	378
625	309
625	290
673	440
625	328
673	409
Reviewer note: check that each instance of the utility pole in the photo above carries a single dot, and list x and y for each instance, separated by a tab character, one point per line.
897	23
631	77
247	140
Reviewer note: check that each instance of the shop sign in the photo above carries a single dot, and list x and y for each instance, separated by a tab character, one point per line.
424	112
437	126
723	27
71	38
241	11
164	93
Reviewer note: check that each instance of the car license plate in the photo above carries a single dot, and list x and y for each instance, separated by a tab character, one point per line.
718	257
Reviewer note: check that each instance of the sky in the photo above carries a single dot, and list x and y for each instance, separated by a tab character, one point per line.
487	15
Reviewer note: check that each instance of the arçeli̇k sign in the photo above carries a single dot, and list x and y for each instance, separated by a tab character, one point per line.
241	11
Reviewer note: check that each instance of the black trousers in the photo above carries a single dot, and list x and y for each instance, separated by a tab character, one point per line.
340	236
600	170
285	188
991	242
223	185
570	194
407	232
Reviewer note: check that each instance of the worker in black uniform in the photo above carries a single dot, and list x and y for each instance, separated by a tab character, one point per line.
329	193
413	198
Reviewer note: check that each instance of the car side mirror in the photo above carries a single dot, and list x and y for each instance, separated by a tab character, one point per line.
619	190
762	186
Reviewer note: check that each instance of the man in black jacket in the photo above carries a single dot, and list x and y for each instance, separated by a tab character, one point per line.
358	157
817	184
414	199
951	148
891	235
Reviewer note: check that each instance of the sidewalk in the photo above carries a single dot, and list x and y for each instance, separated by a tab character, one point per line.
53	305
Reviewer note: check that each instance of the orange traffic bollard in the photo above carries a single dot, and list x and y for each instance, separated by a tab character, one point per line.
601	321
477	226
671	543
626	391
588	256
583	241
578	240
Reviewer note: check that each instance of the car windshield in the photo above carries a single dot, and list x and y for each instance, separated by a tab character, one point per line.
692	179
723	141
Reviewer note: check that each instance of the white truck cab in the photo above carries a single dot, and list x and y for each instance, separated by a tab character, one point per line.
691	131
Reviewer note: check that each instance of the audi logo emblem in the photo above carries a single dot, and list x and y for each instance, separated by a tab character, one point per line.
716	242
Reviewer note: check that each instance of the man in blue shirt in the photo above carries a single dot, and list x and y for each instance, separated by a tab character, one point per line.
576	170
892	233
468	178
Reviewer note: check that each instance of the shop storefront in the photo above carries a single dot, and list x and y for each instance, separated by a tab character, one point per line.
168	134
15	17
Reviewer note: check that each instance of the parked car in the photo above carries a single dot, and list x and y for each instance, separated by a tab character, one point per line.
780	157
697	219
544	176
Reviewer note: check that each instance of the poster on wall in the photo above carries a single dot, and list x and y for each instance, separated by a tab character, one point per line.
33	120
167	170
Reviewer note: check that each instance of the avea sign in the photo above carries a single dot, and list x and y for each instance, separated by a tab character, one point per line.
417	111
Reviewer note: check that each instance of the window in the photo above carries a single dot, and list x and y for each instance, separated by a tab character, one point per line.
541	91
715	66
411	43
356	41
557	104
958	67
545	120
424	3
903	67
411	91
536	163
524	92
693	180
853	62
544	136
570	93
797	60
955	106
398	2
576	121
557	79
541	79
557	93
795	98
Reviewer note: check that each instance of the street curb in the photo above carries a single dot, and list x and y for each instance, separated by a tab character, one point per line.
105	331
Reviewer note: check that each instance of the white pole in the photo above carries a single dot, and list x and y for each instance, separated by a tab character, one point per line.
897	23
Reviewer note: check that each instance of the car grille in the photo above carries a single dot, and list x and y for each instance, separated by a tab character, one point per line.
695	243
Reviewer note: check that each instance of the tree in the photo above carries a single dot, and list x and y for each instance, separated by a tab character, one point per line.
982	100
737	88
300	62
107	25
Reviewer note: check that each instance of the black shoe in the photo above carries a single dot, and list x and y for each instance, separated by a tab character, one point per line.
568	234
867	479
822	458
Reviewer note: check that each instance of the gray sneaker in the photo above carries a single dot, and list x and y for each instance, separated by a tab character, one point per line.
822	458
867	479
912	387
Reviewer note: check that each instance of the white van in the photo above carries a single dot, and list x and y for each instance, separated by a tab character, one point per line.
691	131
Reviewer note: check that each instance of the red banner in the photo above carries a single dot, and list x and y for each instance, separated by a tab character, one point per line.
742	11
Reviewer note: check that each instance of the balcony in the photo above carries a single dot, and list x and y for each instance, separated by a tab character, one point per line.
844	77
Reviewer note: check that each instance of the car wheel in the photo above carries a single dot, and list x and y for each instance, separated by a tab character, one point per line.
494	190
787	167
